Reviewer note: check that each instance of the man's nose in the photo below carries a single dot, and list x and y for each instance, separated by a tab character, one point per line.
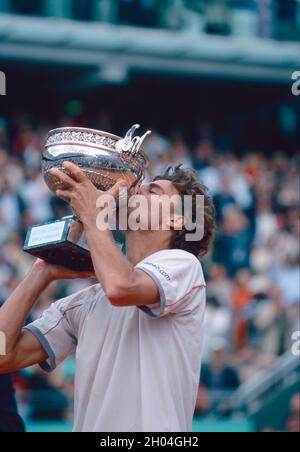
143	189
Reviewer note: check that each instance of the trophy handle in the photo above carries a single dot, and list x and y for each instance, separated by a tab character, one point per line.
125	144
139	142
129	144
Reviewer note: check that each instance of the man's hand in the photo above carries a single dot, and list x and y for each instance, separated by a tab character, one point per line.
56	272
81	193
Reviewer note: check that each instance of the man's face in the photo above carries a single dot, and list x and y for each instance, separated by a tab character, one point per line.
156	204
158	188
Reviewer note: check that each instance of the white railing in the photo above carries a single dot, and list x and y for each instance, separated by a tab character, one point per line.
264	381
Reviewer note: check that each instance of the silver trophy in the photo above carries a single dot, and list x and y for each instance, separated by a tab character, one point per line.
105	159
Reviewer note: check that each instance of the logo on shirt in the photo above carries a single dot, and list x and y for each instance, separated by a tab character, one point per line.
160	270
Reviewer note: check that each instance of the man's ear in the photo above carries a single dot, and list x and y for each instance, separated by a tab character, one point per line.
177	222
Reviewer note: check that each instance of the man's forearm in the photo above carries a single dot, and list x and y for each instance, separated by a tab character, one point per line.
111	266
15	311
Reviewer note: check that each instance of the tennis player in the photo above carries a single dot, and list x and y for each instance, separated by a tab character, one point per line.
137	334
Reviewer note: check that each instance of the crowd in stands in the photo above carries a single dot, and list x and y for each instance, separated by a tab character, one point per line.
277	19
252	273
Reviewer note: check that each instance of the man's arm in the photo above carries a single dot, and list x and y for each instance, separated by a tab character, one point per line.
123	284
22	348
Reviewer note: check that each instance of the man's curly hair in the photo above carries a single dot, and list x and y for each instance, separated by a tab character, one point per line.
187	183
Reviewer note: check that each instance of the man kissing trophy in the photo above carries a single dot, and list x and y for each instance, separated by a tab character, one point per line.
105	159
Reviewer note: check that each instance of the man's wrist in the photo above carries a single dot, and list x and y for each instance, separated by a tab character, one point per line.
41	272
92	225
96	234
89	223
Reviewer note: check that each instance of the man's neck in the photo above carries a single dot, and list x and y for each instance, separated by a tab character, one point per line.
141	244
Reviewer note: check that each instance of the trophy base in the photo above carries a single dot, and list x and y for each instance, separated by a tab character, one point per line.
62	243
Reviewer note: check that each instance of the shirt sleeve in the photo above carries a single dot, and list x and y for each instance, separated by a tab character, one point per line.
177	274
57	329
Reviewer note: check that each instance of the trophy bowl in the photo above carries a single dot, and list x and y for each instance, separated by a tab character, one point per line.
105	159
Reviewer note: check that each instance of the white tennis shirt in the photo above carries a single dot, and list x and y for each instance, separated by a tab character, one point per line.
137	369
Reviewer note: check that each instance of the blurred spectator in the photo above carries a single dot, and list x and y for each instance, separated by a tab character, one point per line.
203	404
217	325
293	421
179	154
219	374
219	377
233	243
31	7
216	17
138	12
10	421
207	166
83	10
242	296
277	19
220	286
47	403
36	196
